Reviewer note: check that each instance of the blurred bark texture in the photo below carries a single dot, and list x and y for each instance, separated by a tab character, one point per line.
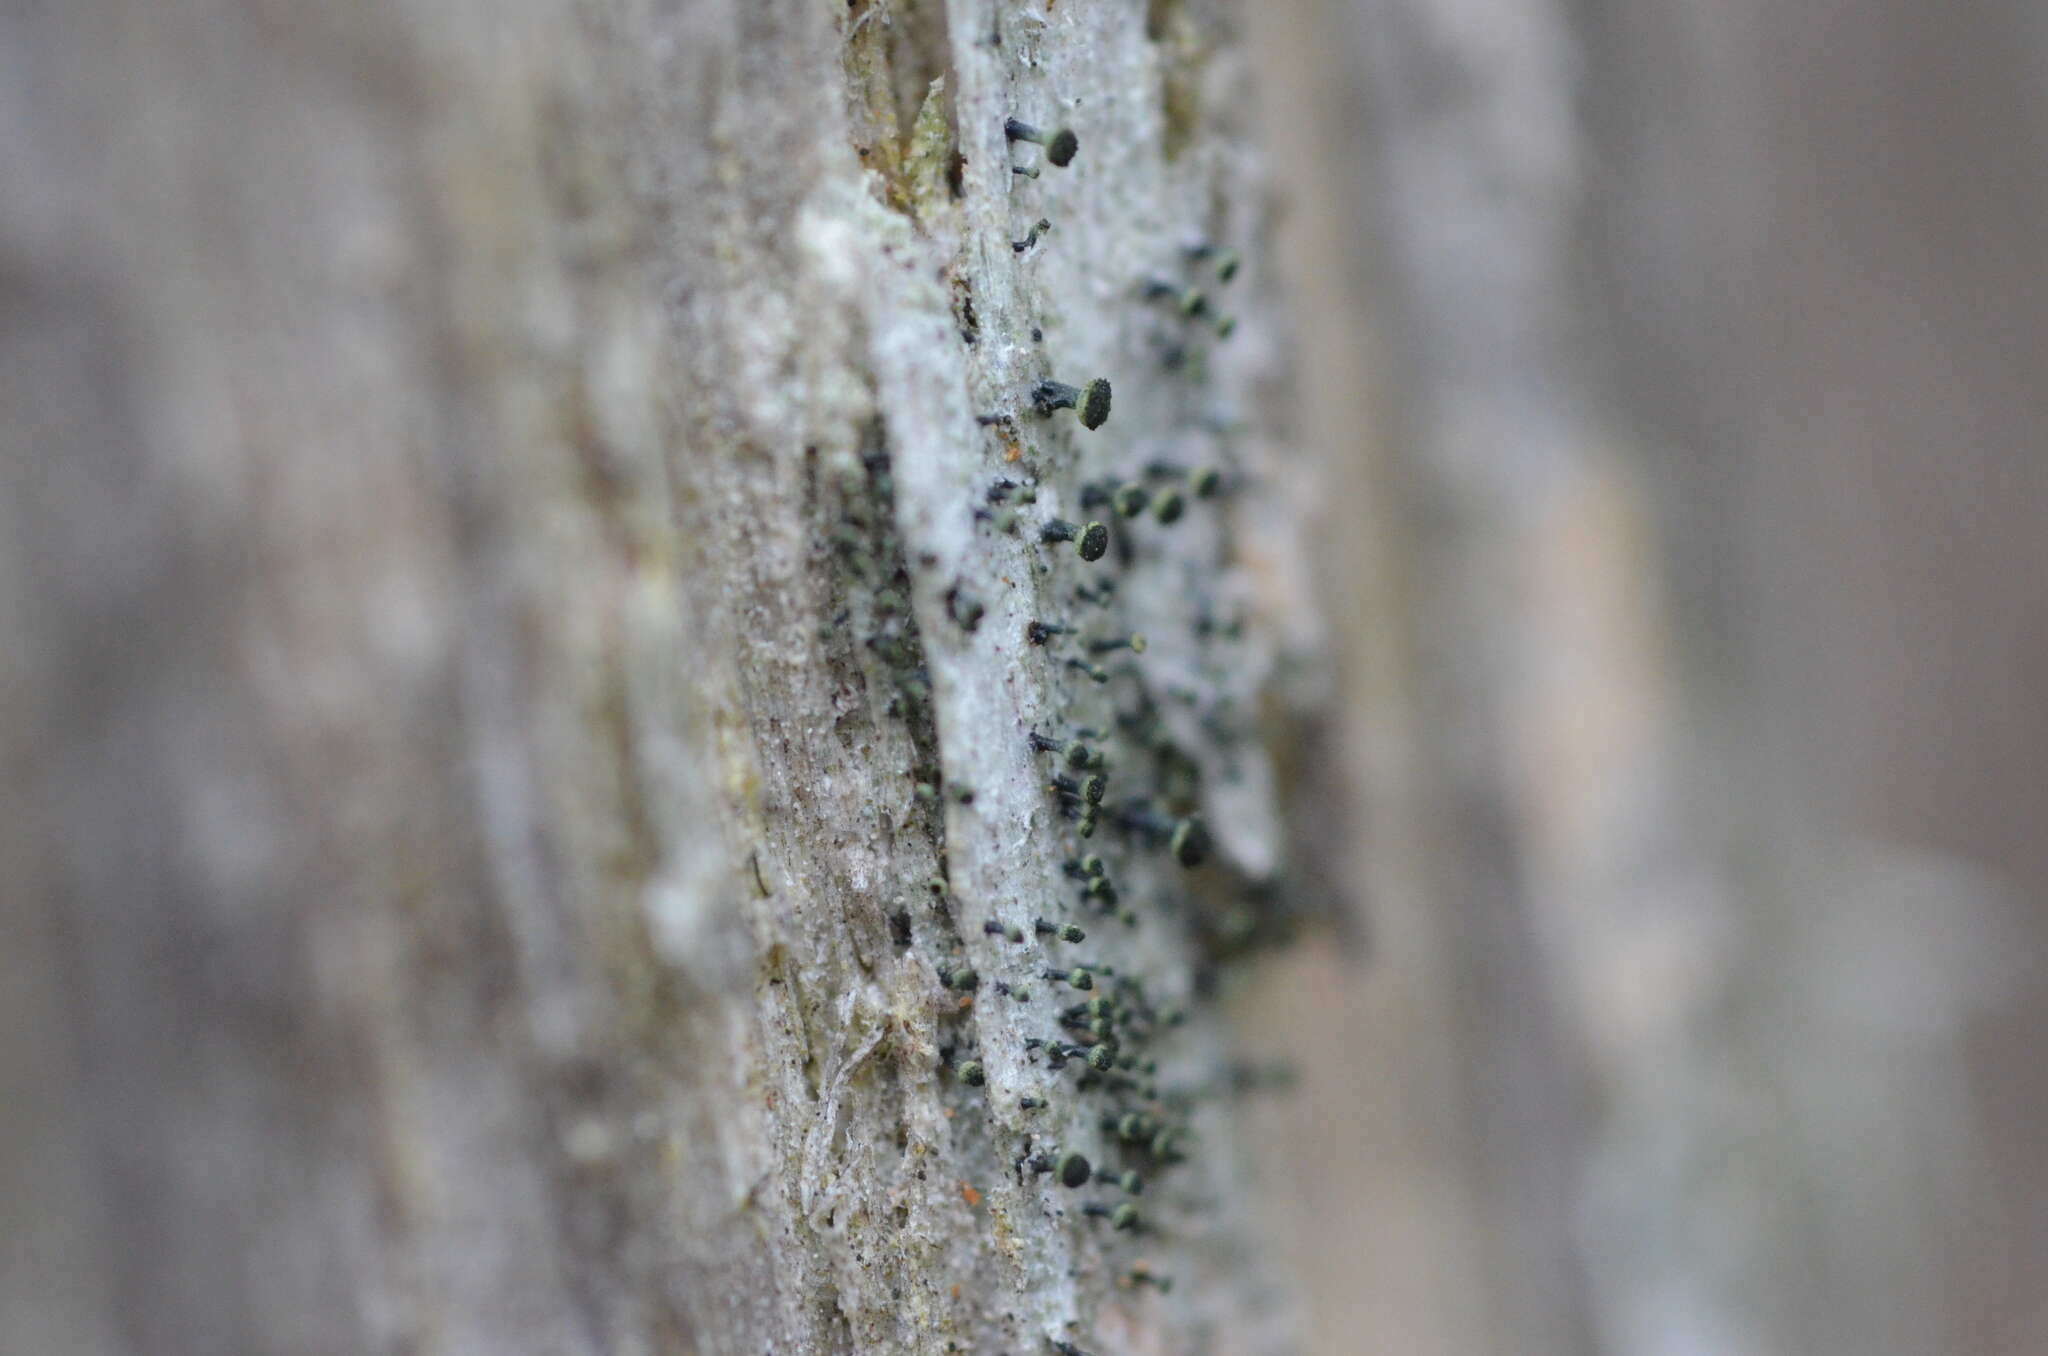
1695	671
489	552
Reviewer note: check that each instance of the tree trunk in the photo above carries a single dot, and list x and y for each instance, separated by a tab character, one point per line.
1699	674
520	530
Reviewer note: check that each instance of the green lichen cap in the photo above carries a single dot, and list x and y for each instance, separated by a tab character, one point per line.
1094	407
1189	843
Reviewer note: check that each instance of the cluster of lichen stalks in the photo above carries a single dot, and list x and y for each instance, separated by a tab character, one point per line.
1107	1019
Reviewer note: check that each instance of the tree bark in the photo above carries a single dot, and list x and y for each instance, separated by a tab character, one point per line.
518	688
1696	353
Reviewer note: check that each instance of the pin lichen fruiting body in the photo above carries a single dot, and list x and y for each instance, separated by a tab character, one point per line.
1078	755
1038	632
1204	482
1128	499
1090	788
1060	145
1228	261
1040	227
1091	542
1090	402
1189	301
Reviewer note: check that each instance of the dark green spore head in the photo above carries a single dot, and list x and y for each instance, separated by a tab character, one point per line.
1093	543
1205	481
1102	1057
962	980
1074	1170
1168	507
1094	406
1189	843
971	1073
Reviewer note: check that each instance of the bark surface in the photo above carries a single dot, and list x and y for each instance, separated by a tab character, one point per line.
519	528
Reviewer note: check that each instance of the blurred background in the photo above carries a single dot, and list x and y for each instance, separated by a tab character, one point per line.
1684	363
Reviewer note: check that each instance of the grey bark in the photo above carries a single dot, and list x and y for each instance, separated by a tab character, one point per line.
1696	350
466	887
